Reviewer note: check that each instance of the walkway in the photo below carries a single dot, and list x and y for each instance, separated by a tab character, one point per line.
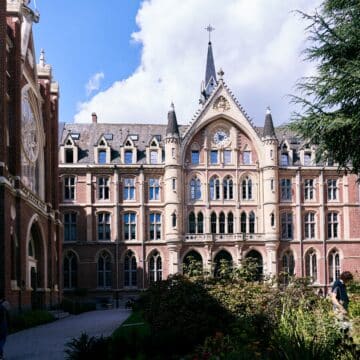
47	342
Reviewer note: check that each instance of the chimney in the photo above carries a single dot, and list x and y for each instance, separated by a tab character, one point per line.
94	118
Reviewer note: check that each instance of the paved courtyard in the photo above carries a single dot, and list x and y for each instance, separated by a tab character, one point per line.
46	342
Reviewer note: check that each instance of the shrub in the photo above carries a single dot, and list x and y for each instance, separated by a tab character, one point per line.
85	348
28	319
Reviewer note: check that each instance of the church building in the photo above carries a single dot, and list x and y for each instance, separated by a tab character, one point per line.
137	200
30	225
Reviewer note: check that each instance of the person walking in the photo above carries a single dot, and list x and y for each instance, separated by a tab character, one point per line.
4	308
339	296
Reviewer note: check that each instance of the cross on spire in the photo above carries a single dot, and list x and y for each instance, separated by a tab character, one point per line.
209	28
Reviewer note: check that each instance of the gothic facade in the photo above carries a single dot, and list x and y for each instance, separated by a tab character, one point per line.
30	237
138	200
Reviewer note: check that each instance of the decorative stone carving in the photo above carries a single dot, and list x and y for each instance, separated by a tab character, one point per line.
221	104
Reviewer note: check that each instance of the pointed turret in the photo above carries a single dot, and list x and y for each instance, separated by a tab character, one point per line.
172	125
269	131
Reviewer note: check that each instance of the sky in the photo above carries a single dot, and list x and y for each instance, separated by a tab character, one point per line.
127	60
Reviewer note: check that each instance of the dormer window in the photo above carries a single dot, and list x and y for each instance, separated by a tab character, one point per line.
69	151
153	157
284	158
128	157
102	151
153	151
307	158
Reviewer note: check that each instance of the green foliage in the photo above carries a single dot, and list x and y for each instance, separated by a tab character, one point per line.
28	319
86	347
330	100
193	268
181	314
77	306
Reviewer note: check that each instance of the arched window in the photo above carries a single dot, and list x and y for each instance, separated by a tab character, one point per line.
251	222
228	188
70	268
334	265
309	225
104	230
272	219
200	223
288	263
195	189
311	265
129	226
192	227
173	220
214	188
104	270
130	269
246	186
243	222
222	223
333	225
286	225
155	267
213	223
230	224
155	226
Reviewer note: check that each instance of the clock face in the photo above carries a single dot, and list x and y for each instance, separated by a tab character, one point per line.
29	130
221	137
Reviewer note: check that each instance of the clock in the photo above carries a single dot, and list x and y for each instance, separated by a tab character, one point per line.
29	130
221	137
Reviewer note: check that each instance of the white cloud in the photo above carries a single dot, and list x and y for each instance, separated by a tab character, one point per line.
94	83
258	44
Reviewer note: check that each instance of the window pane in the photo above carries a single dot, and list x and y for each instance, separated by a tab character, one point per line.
227	157
247	157
128	157
195	157
214	157
102	156
153	157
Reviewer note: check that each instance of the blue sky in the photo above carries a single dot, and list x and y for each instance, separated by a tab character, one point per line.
127	60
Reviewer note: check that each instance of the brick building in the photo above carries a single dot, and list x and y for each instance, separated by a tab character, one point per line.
29	216
138	199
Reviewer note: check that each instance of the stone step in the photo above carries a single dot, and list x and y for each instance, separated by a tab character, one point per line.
59	314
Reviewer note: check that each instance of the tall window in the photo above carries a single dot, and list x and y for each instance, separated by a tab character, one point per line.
69	156
200	223
287	225
104	270
334	265
129	226
128	157
104	232
243	222
284	158
247	158
155	226
307	159
309	225
155	267
103	188
332	189
173	220
69	188
214	188
251	222
288	263
214	159
195	189
309	189
333	225
70	271
130	269
311	265
192	225
153	157
222	223
213	223
230	224
101	156
129	189
154	189
228	188
246	186
195	158
285	189
70	226
227	157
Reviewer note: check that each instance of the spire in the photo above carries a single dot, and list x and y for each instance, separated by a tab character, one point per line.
269	126
172	126
210	73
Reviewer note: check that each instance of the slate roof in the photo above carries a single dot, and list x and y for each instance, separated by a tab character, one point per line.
210	66
90	133
269	126
172	126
